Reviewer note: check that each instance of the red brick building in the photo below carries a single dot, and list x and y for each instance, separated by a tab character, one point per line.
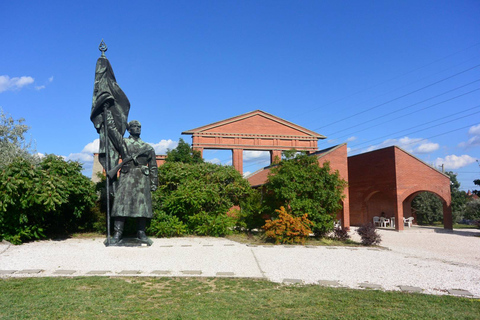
385	180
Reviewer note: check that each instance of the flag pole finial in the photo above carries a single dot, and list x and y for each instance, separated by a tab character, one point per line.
103	48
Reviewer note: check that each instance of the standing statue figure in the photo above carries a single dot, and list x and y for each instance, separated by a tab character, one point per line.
138	169
138	178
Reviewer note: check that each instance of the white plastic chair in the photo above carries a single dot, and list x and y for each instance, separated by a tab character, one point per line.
384	222
408	221
376	221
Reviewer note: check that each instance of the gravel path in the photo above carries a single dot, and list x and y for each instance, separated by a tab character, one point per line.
425	259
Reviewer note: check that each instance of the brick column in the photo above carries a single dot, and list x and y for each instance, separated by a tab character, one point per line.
447	216
399	215
274	154
237	160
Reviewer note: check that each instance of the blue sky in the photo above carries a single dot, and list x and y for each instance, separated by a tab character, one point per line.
370	73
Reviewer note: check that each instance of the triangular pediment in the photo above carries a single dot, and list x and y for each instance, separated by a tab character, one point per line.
256	122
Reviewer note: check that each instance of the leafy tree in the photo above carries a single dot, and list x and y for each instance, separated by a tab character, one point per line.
429	207
472	210
12	140
50	198
459	197
184	153
200	195
302	186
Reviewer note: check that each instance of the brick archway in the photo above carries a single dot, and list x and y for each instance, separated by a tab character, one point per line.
256	130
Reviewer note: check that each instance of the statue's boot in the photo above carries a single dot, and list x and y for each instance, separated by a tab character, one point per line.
118	225
141	235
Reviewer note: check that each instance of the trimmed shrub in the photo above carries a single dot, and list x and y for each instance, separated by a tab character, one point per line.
165	225
288	229
340	234
369	234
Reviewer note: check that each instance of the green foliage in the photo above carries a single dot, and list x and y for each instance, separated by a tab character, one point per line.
303	186
199	195
288	229
52	197
472	210
184	153
428	207
204	224
165	225
251	216
13	143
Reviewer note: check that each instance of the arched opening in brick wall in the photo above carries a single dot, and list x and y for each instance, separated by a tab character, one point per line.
444	211
377	203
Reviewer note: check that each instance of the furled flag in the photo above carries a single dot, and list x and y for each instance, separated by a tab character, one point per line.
106	90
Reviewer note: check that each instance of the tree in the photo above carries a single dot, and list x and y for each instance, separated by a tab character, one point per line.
184	153
302	186
459	197
429	207
12	140
50	198
200	195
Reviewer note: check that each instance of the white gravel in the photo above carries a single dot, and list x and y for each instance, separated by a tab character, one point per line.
427	258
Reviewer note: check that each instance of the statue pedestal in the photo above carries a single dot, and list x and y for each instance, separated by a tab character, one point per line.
129	242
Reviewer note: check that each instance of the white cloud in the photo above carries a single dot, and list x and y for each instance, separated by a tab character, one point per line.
15	83
427	147
82	157
214	161
351	139
92	147
455	162
412	145
162	146
50	79
251	155
473	141
39	88
475	130
246	174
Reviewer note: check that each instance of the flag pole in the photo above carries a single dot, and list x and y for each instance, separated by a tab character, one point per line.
107	168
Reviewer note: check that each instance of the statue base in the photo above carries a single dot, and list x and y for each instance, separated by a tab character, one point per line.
129	242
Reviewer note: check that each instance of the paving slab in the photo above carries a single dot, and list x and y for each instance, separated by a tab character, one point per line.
129	272
410	289
192	272
292	281
225	274
29	271
329	283
99	272
64	272
7	271
370	286
460	292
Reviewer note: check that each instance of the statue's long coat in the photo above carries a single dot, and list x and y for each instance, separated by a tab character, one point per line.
133	195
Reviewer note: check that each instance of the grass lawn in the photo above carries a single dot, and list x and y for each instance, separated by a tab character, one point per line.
219	298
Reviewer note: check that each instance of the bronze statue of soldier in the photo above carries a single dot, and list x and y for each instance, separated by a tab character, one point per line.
138	178
138	168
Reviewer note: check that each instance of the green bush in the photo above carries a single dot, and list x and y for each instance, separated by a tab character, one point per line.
288	229
299	183
43	200
199	195
165	225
